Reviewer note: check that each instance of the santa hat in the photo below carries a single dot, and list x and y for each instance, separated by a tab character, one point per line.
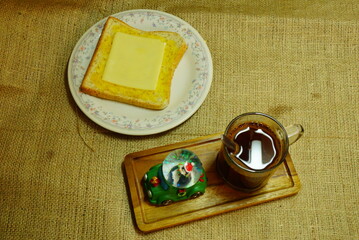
188	166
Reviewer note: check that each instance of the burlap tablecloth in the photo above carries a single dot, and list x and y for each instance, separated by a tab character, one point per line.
60	173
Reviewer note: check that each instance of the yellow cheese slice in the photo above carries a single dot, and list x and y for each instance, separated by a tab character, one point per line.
134	61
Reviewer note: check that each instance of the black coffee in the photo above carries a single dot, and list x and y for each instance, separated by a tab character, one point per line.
257	146
260	150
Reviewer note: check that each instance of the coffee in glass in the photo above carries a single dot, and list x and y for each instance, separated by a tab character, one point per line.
258	145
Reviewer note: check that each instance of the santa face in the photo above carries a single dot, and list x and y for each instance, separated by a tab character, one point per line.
186	169
183	171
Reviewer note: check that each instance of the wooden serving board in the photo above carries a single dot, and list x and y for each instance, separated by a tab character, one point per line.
219	197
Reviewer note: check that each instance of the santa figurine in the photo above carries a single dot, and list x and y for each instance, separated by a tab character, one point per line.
181	175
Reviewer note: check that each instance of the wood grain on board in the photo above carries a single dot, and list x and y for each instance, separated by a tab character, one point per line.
219	197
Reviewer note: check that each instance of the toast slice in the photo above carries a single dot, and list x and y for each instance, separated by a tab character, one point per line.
156	98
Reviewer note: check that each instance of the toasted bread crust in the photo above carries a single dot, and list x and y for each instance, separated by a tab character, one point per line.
158	99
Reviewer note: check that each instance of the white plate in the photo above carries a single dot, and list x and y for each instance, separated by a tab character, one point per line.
190	84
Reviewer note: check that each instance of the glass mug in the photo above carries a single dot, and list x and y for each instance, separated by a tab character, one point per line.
254	145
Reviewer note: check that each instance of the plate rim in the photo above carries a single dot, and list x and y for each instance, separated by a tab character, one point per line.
150	131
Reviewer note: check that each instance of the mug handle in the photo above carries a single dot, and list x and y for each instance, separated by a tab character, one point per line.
294	132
